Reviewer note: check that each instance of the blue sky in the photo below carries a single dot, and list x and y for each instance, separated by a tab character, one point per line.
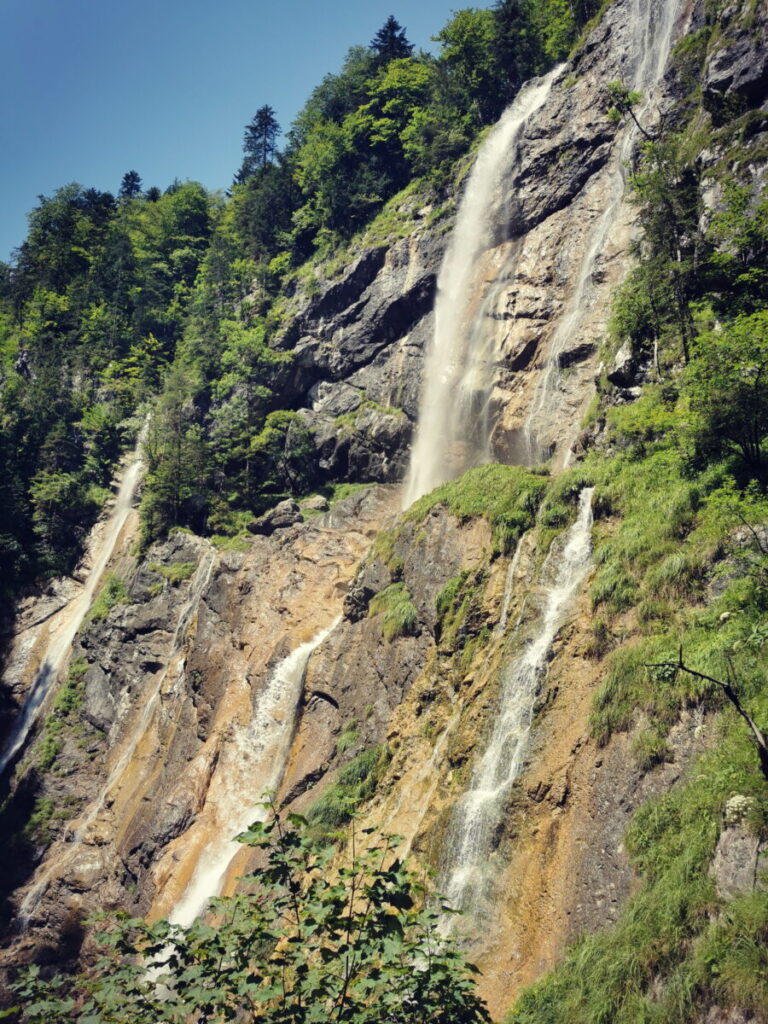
92	88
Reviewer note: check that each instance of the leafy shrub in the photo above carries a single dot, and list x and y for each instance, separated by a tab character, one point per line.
176	572
355	782
304	943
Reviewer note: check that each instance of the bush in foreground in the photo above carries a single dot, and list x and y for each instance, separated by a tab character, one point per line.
303	944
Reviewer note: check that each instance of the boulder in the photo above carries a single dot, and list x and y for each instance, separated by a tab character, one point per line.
317	503
624	369
283	515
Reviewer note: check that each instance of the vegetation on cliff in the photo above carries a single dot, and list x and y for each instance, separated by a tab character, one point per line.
112	300
682	566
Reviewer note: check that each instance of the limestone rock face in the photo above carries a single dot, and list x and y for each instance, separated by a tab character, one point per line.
172	678
735	865
737	71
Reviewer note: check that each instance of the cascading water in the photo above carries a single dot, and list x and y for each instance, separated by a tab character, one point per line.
477	813
102	544
253	765
452	433
653	23
137	736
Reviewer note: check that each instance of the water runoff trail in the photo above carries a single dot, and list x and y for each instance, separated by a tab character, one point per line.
470	832
652	24
129	752
452	433
255	763
71	616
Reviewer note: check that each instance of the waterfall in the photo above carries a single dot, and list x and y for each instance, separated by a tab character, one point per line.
130	753
452	433
479	811
254	764
653	23
101	546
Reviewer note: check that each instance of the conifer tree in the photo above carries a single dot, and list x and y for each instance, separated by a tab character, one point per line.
130	186
390	42
258	142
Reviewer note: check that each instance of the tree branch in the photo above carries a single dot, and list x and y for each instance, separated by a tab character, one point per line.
733	697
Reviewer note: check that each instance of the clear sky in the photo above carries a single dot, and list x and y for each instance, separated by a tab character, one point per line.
90	89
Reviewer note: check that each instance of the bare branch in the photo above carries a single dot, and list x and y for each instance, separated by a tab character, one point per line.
729	687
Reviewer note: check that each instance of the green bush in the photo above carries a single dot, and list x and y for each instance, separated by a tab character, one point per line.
305	942
355	783
176	572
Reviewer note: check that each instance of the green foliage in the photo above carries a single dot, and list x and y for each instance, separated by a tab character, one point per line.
176	572
37	828
508	497
305	943
355	783
111	594
727	388
397	611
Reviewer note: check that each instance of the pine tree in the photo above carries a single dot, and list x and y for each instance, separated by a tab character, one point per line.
390	42
130	186
258	142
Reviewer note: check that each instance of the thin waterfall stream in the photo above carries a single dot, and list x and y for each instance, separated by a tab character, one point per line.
654	22
254	764
476	815
174	668
68	620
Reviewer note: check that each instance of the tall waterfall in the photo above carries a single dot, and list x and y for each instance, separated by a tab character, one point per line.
478	812
452	433
653	23
101	546
254	764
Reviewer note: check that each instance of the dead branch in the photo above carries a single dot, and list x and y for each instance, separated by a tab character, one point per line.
729	688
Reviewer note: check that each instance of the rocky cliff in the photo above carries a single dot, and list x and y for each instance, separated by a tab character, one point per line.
409	623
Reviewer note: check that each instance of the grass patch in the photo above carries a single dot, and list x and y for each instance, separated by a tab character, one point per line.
111	594
397	610
69	699
238	542
176	572
37	829
355	783
508	497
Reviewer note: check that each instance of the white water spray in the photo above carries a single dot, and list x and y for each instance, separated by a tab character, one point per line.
104	539
452	433
253	765
479	810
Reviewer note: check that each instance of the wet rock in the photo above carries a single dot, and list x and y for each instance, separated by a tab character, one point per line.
334	399
731	1015
373	577
99	706
576	355
738	70
373	447
283	515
